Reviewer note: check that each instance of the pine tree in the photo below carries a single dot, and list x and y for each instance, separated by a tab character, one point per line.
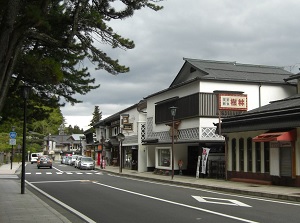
97	116
44	43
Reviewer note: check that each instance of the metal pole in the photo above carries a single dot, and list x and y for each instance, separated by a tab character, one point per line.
23	149
120	151
11	157
172	147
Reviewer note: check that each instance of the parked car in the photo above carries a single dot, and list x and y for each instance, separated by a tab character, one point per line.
68	160
63	160
87	163
77	161
34	157
44	161
73	159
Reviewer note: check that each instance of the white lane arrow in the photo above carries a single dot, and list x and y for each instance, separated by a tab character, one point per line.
213	200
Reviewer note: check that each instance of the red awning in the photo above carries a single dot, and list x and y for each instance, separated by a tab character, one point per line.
275	136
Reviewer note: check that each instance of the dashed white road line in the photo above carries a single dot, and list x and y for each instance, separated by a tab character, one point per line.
69	173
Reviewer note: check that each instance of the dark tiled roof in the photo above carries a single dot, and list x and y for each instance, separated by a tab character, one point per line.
283	104
224	70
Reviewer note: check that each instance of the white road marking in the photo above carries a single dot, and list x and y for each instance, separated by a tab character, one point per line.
86	218
58	181
176	203
57	169
213	200
210	191
70	173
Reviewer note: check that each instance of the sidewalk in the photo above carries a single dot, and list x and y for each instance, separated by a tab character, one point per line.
266	191
17	207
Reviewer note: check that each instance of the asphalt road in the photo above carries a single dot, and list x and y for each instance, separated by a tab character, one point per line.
95	196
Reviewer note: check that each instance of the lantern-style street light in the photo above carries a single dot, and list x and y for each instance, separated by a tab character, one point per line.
25	94
173	113
120	138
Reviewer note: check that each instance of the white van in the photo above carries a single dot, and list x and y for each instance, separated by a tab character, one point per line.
34	157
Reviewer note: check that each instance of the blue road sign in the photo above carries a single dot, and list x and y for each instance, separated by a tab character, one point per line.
13	135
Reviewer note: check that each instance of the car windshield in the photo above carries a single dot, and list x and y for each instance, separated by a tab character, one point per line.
86	159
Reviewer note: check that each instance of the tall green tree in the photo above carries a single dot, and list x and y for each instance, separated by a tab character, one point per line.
44	44
74	130
97	116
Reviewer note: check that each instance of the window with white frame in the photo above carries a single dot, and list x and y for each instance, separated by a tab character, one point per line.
164	157
115	131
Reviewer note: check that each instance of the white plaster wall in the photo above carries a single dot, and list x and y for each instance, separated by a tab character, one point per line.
189	123
273	93
133	118
208	122
268	92
150	150
142	158
180	92
274	162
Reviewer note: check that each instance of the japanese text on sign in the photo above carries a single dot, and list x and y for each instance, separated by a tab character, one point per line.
233	102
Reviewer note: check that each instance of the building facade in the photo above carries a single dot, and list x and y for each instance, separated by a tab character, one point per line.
131	122
263	144
195	92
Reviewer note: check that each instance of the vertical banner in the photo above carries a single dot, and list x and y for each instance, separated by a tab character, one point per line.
198	167
205	153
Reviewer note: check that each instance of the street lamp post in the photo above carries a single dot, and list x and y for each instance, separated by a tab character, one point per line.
173	113
120	138
25	91
103	153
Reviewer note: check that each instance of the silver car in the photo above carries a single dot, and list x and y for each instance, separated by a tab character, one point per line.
77	161
68	160
63	160
87	163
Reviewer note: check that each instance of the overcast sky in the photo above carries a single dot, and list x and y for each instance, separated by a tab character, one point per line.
265	32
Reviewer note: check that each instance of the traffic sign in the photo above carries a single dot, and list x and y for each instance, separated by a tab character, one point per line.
12	142
13	135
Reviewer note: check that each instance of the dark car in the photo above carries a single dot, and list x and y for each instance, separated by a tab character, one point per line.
44	161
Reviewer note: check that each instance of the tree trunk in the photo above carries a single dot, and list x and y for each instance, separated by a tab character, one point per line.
9	44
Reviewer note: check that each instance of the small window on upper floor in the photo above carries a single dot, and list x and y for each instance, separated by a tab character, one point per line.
115	131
